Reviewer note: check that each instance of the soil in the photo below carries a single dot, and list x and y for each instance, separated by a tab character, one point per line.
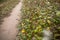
8	29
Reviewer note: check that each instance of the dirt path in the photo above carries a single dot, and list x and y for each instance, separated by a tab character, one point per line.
8	29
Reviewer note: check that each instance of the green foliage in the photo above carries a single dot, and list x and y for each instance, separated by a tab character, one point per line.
37	15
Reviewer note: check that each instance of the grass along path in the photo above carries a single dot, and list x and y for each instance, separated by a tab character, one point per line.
6	7
8	30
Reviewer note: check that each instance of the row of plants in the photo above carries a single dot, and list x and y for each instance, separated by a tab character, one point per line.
5	8
37	15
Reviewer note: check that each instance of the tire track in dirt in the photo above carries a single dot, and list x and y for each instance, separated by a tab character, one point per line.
8	29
